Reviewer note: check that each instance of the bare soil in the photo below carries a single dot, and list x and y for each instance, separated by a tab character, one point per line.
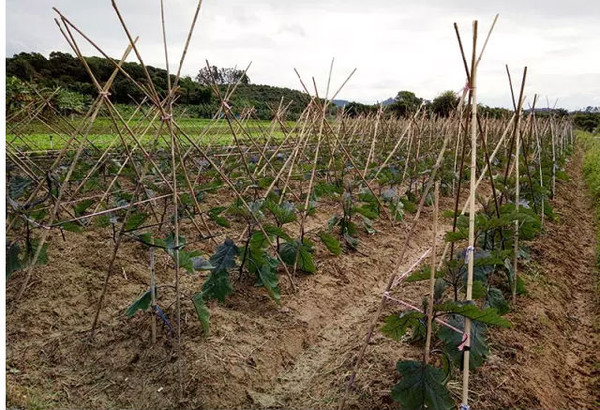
298	355
550	359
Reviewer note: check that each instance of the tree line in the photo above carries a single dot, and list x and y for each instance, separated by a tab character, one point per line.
28	71
64	71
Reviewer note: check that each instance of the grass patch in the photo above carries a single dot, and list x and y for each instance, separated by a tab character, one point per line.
104	125
36	136
42	142
591	171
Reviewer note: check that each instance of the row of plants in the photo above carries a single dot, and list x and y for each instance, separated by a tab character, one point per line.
115	178
424	382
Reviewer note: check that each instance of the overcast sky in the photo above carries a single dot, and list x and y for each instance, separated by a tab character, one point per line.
394	44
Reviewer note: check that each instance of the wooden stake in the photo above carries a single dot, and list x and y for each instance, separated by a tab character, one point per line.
436	199
517	188
153	293
471	249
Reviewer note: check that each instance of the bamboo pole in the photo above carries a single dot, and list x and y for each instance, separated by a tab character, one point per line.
471	249
430	301
517	188
153	294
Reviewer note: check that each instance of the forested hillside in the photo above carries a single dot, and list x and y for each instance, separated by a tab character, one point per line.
66	71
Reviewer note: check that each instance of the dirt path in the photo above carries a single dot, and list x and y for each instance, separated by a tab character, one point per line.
550	358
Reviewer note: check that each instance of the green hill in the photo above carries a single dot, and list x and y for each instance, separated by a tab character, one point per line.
66	71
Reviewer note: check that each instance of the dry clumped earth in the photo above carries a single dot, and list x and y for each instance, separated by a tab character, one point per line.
298	355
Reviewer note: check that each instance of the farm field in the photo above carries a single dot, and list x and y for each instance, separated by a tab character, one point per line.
40	136
297	355
278	356
421	255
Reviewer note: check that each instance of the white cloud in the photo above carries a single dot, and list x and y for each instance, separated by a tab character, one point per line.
395	45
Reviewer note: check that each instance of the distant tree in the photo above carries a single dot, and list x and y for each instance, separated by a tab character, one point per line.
587	121
493	112
355	109
561	112
405	103
444	104
26	66
221	76
71	102
193	93
18	94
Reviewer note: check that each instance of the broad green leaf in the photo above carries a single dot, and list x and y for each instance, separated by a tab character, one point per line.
43	256
422	274
484	264
350	241
200	263
13	262
327	189
217	285
142	303
202	312
17	186
186	199
479	290
439	288
330	242
276	231
82	206
102	221
452	340
135	220
521	289
349	227
333	221
267	273
290	250
422	387
495	299
38	214
71	227
146	238
215	215
489	316
367	196
456	236
284	213
91	184
409	205
169	243
257	244
265	182
397	324
369	211
368	225
185	260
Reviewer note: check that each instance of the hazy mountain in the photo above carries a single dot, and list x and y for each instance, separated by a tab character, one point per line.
340	103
